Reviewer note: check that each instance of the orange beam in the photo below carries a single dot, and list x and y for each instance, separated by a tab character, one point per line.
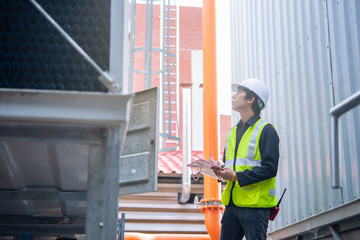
211	186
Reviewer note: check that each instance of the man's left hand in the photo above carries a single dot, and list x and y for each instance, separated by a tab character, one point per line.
226	173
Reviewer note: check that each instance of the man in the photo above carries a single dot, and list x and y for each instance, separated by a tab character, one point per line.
251	158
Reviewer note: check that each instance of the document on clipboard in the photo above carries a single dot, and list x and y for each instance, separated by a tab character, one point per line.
205	167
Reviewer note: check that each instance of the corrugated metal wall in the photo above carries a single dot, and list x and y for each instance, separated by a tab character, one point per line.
308	53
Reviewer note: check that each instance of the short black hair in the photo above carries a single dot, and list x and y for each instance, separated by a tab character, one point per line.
255	105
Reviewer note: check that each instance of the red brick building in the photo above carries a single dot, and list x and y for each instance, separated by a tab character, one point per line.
186	43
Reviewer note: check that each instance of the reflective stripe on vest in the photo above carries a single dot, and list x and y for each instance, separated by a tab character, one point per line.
252	143
249	160
243	161
261	194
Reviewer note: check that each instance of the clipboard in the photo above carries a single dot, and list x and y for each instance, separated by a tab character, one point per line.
205	167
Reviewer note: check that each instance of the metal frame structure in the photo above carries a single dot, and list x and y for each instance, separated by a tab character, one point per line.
75	138
60	166
50	120
336	112
167	13
168	65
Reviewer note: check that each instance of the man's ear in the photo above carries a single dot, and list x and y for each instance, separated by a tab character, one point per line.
251	100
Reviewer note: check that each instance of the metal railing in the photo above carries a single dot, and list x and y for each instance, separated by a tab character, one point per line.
335	113
168	133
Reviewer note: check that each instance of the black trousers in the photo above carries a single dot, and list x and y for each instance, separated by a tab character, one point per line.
238	222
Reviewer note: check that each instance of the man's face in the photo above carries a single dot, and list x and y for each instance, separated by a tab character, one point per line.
239	101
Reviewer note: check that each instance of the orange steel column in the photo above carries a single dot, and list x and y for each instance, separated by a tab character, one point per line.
211	204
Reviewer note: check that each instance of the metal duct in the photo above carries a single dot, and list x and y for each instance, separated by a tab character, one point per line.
186	177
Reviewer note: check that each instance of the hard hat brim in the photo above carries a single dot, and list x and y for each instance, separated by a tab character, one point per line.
235	87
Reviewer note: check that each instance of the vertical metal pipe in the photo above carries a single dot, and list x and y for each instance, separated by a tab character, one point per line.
335	180
177	59
163	121
168	70
211	202
186	176
146	42
122	230
149	71
119	25
132	46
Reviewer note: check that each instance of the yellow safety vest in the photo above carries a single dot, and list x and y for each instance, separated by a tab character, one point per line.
257	195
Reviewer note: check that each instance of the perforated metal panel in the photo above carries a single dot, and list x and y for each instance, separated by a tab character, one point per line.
35	56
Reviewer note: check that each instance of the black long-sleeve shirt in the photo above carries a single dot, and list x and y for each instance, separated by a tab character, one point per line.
269	150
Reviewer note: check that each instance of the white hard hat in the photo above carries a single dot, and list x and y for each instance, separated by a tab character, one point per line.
255	85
